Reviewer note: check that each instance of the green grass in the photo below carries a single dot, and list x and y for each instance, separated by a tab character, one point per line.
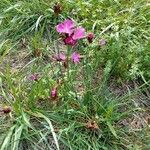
28	40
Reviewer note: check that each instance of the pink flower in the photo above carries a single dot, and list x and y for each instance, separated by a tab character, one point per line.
75	57
34	77
78	33
54	93
65	27
60	57
90	37
102	42
71	33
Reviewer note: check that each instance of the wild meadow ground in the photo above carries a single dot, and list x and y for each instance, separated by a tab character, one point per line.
74	75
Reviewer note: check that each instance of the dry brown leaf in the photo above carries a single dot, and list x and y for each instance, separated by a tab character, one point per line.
92	125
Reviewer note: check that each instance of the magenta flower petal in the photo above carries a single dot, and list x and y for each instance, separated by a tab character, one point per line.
60	28
62	56
75	57
69	23
65	27
79	33
70	41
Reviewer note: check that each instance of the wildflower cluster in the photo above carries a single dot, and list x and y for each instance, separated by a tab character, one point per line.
71	34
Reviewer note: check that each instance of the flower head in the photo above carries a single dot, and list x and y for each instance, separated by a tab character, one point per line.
90	37
65	27
75	36
102	42
75	57
72	34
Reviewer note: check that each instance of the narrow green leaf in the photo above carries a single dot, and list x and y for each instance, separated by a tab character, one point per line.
6	141
112	129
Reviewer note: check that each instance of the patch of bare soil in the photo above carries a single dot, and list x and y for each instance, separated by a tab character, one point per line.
15	61
120	89
140	99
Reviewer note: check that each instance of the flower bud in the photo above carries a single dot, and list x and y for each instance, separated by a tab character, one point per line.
90	37
57	8
53	93
6	110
